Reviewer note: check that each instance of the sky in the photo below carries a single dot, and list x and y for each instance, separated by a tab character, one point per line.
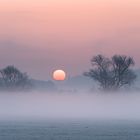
39	36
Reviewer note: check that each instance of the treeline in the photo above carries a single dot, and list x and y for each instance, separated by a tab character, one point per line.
111	74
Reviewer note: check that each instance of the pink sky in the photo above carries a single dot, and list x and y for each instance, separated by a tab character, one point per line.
39	36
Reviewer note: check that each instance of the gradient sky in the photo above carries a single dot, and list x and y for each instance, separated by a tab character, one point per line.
39	36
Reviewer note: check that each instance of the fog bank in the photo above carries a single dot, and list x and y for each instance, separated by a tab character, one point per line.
20	106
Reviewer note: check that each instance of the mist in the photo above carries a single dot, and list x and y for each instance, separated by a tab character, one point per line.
55	106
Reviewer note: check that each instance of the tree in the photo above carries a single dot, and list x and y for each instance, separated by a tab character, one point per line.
112	74
12	78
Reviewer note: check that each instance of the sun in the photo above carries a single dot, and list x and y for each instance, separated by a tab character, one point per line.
59	75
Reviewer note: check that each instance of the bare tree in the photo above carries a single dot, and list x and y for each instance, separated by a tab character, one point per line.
12	78
113	73
123	75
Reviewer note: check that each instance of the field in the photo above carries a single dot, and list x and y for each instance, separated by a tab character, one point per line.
74	130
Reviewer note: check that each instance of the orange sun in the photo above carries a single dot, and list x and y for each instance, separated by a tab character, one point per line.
59	75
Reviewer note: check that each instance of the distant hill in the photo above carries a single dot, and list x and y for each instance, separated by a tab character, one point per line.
75	84
43	85
79	81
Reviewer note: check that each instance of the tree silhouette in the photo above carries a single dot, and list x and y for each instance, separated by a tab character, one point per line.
12	78
113	73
